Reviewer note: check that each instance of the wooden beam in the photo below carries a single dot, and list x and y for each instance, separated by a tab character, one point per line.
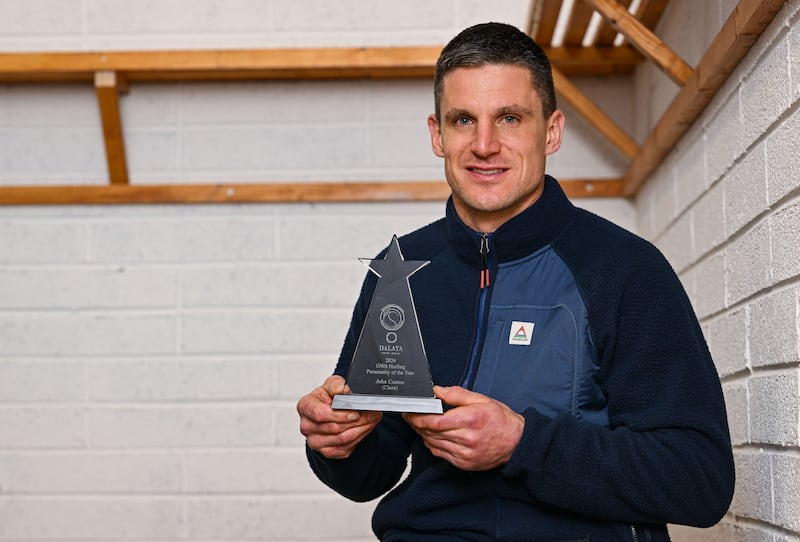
650	12
107	87
321	63
581	15
594	60
595	116
578	22
644	40
547	24
225	193
607	33
737	36
534	17
328	192
390	62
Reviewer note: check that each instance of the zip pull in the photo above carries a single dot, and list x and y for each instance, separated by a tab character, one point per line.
484	261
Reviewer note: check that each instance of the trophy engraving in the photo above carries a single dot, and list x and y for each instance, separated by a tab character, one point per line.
389	370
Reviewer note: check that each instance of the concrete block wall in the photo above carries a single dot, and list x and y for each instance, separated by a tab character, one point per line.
725	209
150	363
151	356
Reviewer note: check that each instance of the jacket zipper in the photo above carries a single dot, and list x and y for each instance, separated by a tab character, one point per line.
476	345
634	533
484	261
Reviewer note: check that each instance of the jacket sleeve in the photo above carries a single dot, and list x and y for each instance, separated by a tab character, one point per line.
379	461
375	466
665	456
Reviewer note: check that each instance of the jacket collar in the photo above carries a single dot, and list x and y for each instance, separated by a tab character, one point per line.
523	234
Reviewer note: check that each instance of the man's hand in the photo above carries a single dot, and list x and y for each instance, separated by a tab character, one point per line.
479	433
333	433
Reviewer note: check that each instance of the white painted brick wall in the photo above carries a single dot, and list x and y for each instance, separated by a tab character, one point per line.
740	258
748	269
146	379
691	168
57	426
745	191
774	409
736	400
785	242
81	473
783	159
753	496
144	360
787	501
708	221
276	518
726	145
42	242
108	518
41	381
773	329
763	104
65	334
709	285
673	242
728	342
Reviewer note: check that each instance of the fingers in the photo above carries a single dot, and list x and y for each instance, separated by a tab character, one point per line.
478	434
338	441
454	418
334	385
334	433
315	408
457	396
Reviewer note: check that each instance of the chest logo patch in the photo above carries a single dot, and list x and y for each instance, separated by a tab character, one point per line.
521	333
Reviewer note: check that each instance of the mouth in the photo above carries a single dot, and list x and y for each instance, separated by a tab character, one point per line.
486	171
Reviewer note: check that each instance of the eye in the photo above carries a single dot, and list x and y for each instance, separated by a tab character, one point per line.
462	121
510	119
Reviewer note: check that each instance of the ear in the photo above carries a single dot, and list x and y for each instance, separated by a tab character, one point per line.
436	136
555	130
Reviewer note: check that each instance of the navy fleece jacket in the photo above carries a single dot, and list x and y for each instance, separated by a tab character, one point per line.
625	424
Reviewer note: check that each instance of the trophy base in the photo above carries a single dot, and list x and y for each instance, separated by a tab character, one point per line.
388	403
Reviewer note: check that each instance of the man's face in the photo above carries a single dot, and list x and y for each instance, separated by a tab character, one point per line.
494	139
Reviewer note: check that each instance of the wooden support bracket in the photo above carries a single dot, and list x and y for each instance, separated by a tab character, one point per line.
643	39
108	86
595	116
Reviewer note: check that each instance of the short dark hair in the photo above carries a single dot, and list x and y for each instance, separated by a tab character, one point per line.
496	43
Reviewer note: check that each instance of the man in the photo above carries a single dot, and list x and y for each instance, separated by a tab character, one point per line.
582	401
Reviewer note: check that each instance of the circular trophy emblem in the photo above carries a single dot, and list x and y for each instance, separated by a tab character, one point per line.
392	317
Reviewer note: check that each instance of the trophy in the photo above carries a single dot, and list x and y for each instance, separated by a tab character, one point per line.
390	371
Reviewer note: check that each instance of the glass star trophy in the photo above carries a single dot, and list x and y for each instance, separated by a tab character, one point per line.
390	371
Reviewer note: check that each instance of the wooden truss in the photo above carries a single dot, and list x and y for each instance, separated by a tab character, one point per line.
571	52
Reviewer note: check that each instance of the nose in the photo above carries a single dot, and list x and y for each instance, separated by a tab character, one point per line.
485	141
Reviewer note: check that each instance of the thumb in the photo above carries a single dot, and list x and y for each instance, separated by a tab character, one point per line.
335	384
458	396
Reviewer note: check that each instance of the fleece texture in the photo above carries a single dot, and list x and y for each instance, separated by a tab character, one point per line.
625	423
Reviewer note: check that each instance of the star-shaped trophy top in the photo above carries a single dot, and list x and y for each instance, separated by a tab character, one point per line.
393	267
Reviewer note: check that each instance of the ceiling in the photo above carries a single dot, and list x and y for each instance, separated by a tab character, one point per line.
581	42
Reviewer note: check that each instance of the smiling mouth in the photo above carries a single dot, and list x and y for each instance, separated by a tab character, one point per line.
486	171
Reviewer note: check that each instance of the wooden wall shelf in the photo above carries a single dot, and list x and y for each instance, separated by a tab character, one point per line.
264	192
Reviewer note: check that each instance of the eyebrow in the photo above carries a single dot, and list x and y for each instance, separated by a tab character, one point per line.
514	110
505	110
451	114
